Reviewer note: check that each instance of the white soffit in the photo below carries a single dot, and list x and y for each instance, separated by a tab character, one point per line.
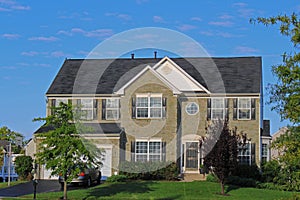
177	76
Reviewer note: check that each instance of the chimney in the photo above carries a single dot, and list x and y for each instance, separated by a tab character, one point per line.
155	54
266	127
132	56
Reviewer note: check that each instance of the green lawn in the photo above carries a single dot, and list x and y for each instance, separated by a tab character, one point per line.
12	183
166	190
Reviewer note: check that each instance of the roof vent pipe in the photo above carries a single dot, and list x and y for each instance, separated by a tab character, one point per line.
155	54
132	56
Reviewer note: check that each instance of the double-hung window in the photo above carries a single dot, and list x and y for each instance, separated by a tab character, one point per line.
146	150
244	108
87	109
112	109
60	100
149	106
217	108
244	154
264	152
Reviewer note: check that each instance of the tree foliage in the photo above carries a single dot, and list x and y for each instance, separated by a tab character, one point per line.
24	166
221	159
285	94
63	149
285	98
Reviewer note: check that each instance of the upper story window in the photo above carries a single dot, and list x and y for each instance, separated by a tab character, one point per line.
148	106
60	100
192	108
244	108
88	108
111	109
217	108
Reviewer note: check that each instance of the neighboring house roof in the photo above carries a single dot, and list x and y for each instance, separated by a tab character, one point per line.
239	74
4	144
102	128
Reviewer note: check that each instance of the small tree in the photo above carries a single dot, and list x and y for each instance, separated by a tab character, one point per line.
221	151
24	166
63	149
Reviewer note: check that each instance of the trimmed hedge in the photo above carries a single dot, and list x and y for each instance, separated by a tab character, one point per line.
149	170
211	178
117	178
240	181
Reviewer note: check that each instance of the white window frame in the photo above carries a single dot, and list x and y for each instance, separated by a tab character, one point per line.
117	108
245	153
239	107
148	154
266	151
59	100
213	108
84	108
149	107
188	108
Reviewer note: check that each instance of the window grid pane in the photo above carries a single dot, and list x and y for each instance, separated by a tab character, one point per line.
87	109
244	154
218	109
148	107
148	151
244	108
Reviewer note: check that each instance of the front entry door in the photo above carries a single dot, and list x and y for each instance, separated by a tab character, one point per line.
191	161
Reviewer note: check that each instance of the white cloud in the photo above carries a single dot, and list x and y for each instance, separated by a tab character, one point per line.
243	10
219	33
158	19
10	36
226	17
9	5
186	27
196	19
141	1
119	15
245	50
221	23
240	4
99	33
30	53
46	39
81	16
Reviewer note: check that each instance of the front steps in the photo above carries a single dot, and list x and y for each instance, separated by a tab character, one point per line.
189	177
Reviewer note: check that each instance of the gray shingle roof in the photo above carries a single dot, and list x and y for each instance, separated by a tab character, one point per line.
105	128
105	76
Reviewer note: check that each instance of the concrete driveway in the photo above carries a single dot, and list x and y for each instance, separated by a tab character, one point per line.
27	188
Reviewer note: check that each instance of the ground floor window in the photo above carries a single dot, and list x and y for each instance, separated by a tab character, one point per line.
244	154
264	152
148	151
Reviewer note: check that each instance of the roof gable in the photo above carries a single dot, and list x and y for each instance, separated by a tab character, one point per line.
157	75
177	76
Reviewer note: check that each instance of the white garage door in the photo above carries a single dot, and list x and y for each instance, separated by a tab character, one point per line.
106	168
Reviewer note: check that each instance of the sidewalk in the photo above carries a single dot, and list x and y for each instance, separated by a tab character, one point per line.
27	188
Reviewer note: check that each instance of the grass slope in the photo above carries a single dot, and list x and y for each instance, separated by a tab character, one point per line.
166	190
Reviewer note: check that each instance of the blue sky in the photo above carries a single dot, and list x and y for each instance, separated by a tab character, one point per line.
36	37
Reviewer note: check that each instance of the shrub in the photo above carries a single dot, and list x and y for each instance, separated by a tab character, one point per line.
240	181
211	178
270	170
117	178
24	166
149	170
270	186
247	171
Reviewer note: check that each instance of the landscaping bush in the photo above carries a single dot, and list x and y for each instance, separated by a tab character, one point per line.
240	181
24	166
270	186
270	170
149	170
211	178
117	178
248	171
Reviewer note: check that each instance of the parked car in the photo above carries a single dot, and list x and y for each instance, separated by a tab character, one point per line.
86	177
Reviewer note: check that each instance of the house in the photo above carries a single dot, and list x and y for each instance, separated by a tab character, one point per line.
276	152
7	170
157	109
